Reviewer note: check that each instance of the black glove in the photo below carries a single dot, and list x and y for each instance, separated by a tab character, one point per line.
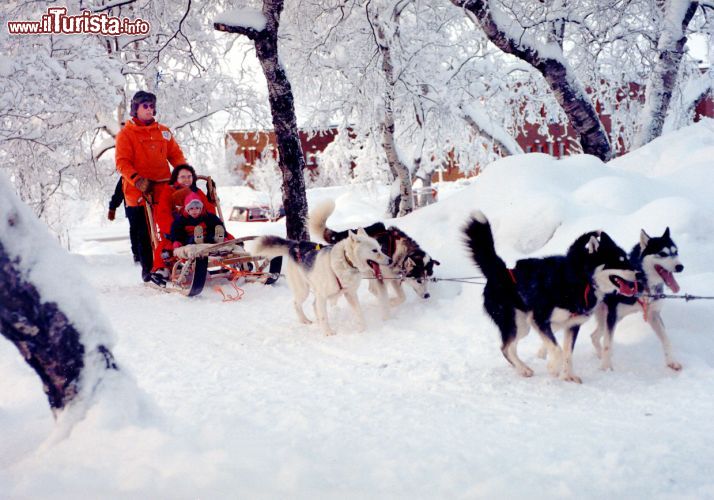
111	214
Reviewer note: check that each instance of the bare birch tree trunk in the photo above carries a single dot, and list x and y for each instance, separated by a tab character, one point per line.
663	78
571	97
398	168
42	333
280	95
420	171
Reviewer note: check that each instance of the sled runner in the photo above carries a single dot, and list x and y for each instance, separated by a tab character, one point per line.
192	267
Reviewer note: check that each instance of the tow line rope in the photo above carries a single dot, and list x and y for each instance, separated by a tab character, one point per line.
481	280
467	279
687	297
472	280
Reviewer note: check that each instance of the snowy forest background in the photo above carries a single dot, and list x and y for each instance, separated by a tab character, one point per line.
425	72
407	83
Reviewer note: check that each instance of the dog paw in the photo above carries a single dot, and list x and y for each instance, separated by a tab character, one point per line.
569	377
524	371
606	367
395	301
674	366
305	321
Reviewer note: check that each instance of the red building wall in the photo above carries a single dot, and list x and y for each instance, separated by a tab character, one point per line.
562	142
704	108
250	144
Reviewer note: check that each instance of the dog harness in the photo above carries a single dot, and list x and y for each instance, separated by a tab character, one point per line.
299	256
349	263
391	240
645	304
585	293
645	300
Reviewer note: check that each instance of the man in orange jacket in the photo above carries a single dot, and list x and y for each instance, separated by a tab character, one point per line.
144	149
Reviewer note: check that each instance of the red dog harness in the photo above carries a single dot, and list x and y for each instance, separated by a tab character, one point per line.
585	293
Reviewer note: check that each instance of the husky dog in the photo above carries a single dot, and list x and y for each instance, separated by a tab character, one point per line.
410	264
329	271
549	293
655	259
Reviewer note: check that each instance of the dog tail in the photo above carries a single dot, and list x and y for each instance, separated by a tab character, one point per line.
317	222
271	246
479	239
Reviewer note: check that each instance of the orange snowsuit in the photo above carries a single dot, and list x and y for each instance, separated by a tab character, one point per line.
145	151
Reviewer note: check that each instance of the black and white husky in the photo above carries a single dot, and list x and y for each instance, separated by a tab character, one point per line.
329	271
410	264
549	293
655	259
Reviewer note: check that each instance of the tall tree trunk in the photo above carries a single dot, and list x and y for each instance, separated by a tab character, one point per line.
663	77
280	95
420	170
42	333
569	94
399	170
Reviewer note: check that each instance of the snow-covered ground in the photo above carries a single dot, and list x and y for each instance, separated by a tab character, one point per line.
239	400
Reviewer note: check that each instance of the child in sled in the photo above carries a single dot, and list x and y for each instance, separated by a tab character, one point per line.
196	225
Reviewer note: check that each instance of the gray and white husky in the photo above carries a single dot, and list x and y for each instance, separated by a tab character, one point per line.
328	270
410	264
655	259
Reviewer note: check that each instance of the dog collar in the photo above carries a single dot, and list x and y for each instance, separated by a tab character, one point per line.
349	262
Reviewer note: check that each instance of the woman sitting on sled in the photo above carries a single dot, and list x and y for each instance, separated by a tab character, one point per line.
196	225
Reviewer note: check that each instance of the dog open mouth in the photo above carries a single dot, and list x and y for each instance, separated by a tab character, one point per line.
375	269
624	287
668	278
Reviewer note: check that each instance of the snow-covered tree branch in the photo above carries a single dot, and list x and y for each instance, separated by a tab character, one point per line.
549	60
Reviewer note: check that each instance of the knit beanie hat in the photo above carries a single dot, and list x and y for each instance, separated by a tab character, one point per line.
192	200
140	98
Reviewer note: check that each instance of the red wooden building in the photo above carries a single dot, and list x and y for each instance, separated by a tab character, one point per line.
251	144
562	141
